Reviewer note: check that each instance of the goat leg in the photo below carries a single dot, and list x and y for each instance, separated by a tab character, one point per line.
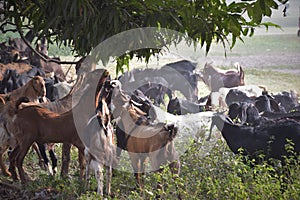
19	162
136	165
65	159
175	169
82	162
12	162
87	168
42	151
99	177
53	159
2	165
108	179
37	149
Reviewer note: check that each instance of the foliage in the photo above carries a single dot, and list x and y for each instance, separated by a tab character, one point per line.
219	175
83	24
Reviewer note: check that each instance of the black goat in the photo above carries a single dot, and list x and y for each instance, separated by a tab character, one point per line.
179	106
157	93
235	95
288	100
263	103
269	139
143	102
248	113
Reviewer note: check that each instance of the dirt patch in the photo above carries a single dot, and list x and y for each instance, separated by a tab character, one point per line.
285	63
16	192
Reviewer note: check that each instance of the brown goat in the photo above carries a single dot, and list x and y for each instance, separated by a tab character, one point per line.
19	67
59	106
146	140
215	79
34	123
34	89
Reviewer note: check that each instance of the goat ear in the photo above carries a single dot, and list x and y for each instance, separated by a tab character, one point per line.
115	83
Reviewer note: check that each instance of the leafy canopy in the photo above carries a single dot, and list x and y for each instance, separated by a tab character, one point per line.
83	24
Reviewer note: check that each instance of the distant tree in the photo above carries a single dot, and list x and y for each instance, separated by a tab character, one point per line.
83	24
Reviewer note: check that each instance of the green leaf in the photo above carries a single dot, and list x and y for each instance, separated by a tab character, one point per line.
245	31
233	41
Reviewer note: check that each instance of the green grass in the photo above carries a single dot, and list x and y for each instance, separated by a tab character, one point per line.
262	45
273	80
219	175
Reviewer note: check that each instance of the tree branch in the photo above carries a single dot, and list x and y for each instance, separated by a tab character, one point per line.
42	56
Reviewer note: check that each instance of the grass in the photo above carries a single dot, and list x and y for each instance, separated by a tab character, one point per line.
219	175
262	45
274	81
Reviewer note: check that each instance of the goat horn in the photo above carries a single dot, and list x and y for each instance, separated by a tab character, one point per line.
263	88
135	103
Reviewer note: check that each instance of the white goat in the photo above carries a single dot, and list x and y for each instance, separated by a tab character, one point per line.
99	152
190	126
218	98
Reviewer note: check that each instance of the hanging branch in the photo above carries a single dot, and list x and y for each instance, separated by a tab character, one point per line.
42	56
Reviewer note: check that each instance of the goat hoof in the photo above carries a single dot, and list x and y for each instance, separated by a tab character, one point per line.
14	175
50	171
54	170
6	173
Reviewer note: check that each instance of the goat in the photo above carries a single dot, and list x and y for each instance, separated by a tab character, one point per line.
33	90
264	102
269	139
85	108
19	67
58	106
215	79
98	141
288	100
248	113
147	112
166	76
72	127
36	124
179	106
143	103
225	96
146	139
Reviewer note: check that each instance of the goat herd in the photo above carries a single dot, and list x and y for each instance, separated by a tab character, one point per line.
126	109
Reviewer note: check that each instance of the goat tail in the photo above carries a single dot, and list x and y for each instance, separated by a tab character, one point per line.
172	130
